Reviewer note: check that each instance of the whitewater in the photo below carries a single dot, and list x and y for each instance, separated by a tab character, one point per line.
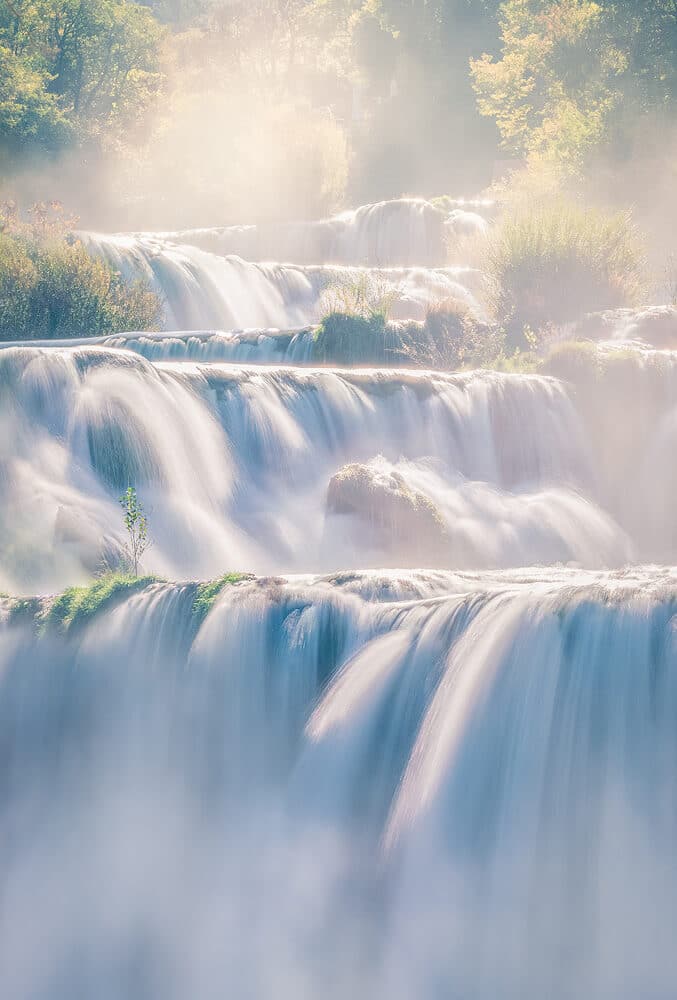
423	741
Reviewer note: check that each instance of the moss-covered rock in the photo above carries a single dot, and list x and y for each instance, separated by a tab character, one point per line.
24	610
77	606
207	593
391	516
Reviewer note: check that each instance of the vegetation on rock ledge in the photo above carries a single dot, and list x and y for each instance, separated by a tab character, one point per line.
449	339
549	264
51	288
78	605
207	593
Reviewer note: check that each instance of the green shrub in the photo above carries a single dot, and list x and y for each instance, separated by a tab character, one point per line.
349	339
206	593
51	288
518	363
77	605
355	329
549	265
574	361
450	338
18	276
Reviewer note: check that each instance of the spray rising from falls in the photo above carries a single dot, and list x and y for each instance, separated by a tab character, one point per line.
389	785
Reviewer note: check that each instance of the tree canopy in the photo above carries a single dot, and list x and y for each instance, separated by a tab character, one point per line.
575	76
358	99
75	69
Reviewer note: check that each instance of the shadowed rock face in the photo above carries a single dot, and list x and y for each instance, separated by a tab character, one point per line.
392	516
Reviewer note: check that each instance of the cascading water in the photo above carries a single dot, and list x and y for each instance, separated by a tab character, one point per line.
408	232
431	773
202	290
402	785
279	469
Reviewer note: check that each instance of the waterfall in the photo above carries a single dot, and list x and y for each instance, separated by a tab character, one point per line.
251	346
202	290
416	735
403	780
275	469
402	233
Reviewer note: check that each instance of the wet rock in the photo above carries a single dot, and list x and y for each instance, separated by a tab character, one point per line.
391	516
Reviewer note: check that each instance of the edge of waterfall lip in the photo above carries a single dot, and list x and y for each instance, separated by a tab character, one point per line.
159	335
443	583
252	335
109	344
472	581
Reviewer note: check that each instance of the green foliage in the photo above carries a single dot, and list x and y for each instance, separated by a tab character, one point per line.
517	363
574	76
78	605
552	264
136	524
348	339
552	91
206	593
355	329
359	293
74	69
583	363
647	31
51	288
30	117
573	361
380	86
451	338
18	278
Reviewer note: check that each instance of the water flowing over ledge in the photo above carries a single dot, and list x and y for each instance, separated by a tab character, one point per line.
202	290
224	278
276	469
255	346
236	464
432	764
427	772
408	232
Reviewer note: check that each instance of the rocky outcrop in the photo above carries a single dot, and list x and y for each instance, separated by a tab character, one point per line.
391	516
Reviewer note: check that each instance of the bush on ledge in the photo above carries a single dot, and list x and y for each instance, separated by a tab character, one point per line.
50	288
548	265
